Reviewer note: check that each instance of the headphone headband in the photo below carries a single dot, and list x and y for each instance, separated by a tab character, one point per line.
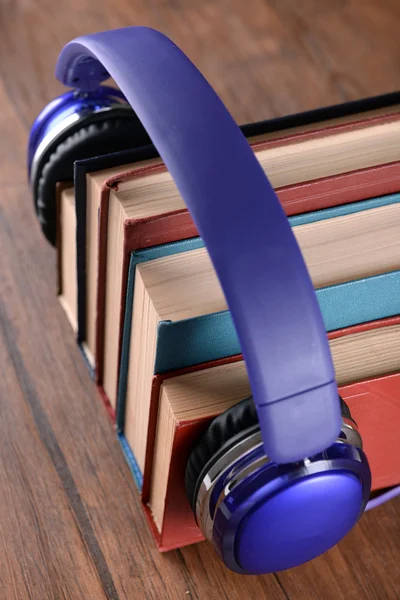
246	232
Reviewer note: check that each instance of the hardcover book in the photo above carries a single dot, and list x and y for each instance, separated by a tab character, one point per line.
374	403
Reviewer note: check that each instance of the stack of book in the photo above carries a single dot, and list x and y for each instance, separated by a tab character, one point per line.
151	319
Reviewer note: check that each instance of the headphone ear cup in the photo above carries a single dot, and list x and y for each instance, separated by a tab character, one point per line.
225	431
102	137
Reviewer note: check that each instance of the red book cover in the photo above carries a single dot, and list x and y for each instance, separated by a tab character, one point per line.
374	404
178	225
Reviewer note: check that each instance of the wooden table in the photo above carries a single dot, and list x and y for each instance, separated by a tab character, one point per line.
70	521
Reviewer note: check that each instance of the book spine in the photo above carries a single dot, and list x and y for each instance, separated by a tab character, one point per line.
124	364
131	461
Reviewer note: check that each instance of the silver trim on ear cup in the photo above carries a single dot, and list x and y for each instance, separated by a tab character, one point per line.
227	461
58	130
227	464
351	433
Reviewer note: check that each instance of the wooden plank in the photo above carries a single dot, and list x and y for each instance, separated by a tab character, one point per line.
43	553
12	143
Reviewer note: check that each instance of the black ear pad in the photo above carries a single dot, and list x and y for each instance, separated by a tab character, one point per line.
229	426
103	136
225	431
346	414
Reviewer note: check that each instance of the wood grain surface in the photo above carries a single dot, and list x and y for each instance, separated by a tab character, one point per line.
70	521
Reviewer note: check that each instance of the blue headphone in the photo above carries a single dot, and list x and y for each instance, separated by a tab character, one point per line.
281	477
